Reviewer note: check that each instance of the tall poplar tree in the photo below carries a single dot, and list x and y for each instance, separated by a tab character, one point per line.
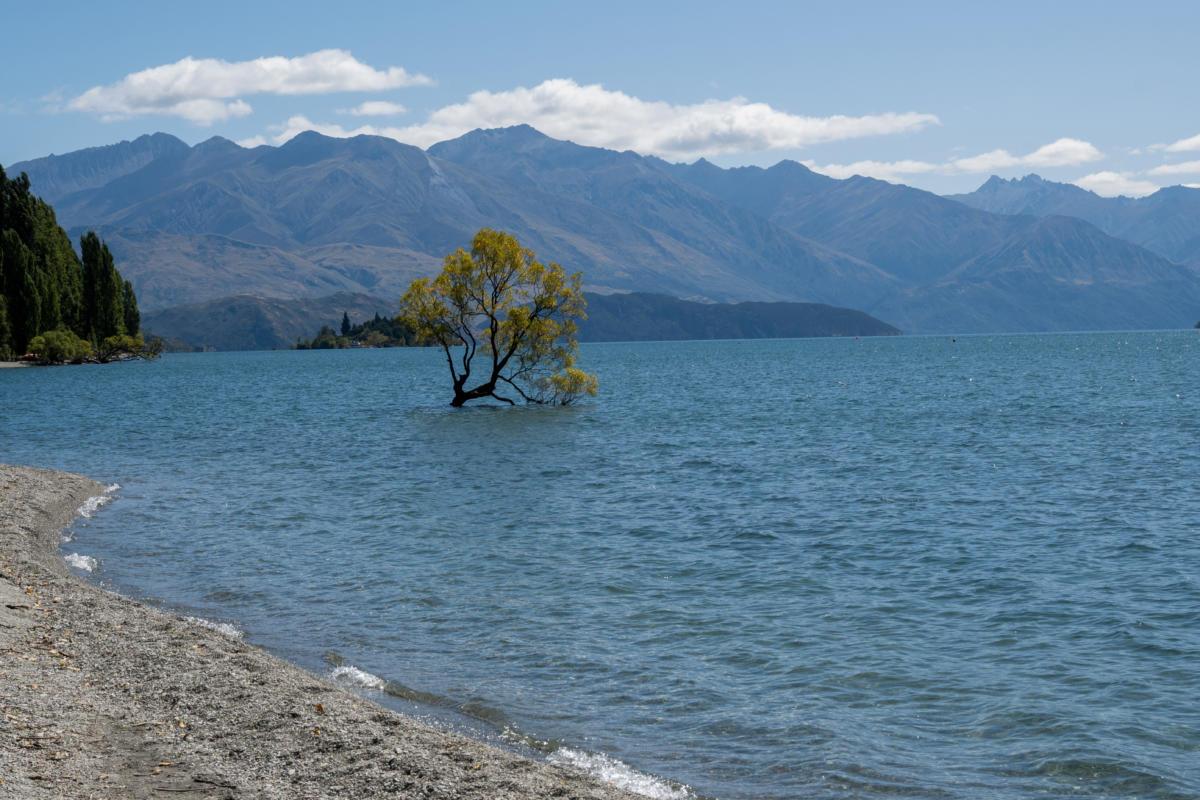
133	317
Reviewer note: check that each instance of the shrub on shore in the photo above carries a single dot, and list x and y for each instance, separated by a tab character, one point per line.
59	347
64	347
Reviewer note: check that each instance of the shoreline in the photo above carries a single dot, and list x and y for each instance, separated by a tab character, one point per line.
108	697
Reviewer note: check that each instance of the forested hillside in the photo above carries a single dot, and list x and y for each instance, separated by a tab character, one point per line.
45	286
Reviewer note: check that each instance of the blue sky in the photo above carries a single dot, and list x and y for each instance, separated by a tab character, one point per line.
937	95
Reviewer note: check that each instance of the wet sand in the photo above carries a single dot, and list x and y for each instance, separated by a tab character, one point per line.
102	696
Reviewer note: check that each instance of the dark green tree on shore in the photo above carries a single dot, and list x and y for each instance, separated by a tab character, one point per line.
104	292
45	286
133	316
345	323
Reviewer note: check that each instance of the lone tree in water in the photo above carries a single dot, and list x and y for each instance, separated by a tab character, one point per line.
505	318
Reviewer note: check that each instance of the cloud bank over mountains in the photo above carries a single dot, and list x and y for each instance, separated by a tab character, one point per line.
206	91
1059	153
594	115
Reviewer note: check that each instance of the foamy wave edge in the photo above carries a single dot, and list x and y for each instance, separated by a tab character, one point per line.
604	768
85	563
619	774
223	628
94	504
358	678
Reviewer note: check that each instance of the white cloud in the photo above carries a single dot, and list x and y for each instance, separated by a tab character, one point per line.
375	108
1113	184
985	162
299	123
1189	145
892	171
208	90
1063	152
1059	153
1182	168
593	115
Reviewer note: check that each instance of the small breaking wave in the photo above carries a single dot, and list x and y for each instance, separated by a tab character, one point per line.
85	563
223	628
94	504
619	774
604	768
353	676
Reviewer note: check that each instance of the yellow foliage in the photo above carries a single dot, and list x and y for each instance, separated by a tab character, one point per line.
518	315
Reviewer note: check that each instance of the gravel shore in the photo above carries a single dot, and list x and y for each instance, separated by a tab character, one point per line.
104	697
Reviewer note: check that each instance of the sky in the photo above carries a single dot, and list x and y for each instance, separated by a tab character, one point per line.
935	95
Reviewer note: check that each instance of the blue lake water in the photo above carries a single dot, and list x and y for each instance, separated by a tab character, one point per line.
819	568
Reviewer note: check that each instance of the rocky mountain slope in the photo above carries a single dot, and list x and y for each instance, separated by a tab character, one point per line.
1166	222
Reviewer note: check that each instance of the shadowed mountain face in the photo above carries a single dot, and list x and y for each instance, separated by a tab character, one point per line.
720	237
320	215
1166	222
1058	274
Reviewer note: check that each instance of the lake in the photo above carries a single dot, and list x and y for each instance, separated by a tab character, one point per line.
833	568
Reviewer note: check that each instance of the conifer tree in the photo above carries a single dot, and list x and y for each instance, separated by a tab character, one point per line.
345	323
6	350
110	312
133	317
21	290
89	246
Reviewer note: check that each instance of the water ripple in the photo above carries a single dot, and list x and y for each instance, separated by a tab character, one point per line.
826	569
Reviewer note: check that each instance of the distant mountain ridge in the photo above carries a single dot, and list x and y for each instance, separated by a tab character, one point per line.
320	215
966	269
1166	222
61	175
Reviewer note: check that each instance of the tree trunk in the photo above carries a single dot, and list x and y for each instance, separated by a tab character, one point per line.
483	390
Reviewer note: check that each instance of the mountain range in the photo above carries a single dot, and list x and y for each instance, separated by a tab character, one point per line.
1166	222
319	215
